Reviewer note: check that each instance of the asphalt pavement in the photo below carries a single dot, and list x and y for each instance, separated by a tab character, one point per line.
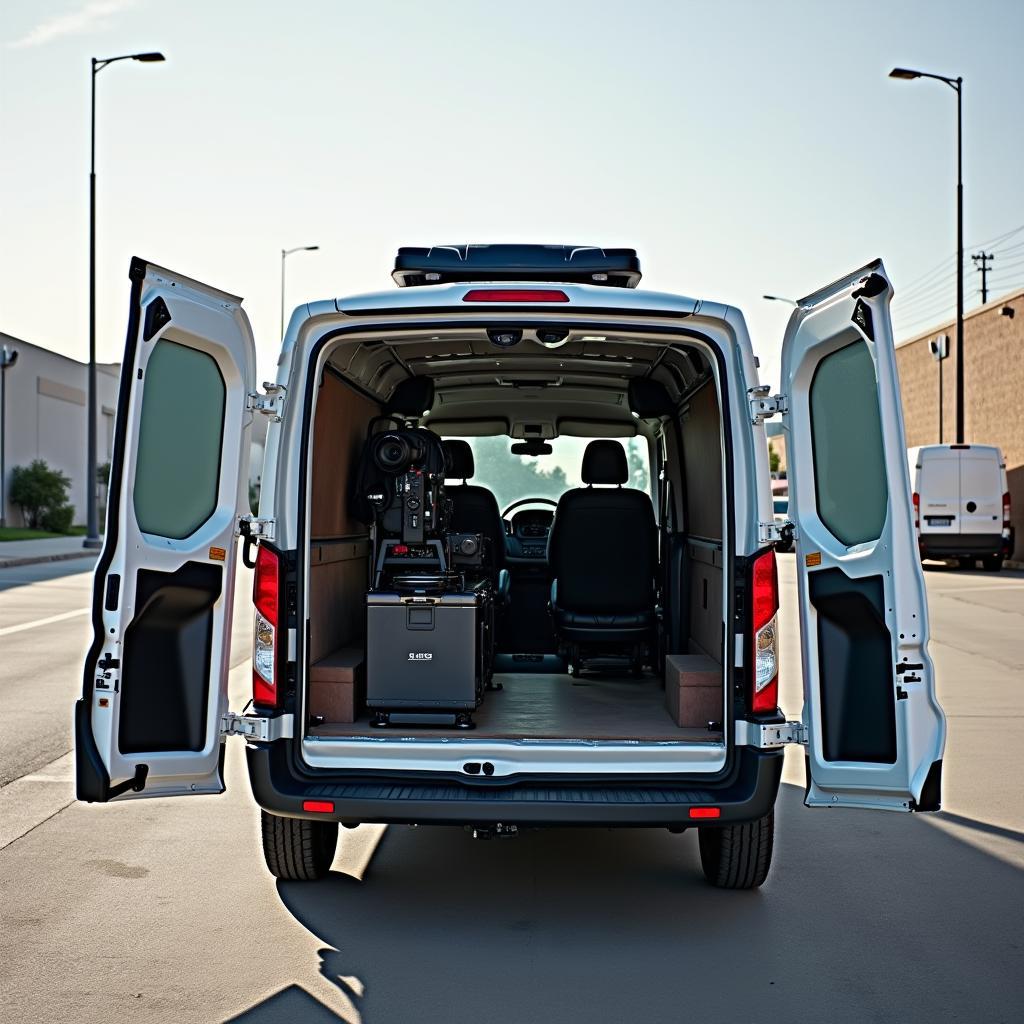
161	910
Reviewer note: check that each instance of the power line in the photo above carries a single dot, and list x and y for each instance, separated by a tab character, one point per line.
988	242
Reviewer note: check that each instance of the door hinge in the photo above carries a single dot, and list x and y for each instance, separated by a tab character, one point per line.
269	404
255	728
769	737
771	533
764	405
254	528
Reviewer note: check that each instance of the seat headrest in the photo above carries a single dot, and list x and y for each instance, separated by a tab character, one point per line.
604	462
460	459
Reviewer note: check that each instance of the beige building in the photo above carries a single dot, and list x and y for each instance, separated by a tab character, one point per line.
993	389
46	416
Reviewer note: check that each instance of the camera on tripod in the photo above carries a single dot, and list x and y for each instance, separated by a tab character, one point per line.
430	605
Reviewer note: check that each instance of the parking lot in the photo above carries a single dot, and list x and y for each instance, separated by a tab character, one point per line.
163	911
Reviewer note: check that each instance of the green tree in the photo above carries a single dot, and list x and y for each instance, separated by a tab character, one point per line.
512	477
41	493
635	456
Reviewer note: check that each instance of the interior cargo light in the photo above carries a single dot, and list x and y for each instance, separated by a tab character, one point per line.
515	295
265	587
318	806
764	607
705	812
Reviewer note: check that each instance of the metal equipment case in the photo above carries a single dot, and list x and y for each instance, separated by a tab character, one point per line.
428	651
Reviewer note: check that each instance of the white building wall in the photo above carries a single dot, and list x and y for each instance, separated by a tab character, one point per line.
46	416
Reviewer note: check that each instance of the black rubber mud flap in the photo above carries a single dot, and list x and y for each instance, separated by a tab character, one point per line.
931	792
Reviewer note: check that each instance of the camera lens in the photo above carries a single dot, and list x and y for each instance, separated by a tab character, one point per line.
392	453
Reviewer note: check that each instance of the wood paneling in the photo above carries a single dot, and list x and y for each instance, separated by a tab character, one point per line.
339	430
337	595
703	457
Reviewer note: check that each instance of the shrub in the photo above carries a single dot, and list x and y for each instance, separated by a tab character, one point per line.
41	494
59	520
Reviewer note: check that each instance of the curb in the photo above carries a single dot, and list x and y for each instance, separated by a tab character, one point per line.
10	563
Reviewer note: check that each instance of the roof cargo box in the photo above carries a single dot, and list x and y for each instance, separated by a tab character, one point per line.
578	264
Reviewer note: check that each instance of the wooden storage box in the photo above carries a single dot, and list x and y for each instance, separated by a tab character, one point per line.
693	690
337	686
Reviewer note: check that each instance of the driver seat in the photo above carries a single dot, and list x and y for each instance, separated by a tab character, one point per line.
474	509
602	550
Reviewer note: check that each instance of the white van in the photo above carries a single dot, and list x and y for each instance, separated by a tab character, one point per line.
961	503
598	648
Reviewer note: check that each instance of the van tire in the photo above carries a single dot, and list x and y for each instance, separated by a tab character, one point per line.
992	563
296	849
738	856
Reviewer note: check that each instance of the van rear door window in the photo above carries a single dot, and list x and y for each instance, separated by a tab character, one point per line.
849	457
177	472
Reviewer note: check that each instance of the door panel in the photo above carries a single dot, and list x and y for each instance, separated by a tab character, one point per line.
939	481
874	727
981	492
155	686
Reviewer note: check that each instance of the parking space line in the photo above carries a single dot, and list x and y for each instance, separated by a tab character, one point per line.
7	630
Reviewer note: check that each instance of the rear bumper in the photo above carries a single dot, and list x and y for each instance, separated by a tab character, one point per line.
958	545
748	794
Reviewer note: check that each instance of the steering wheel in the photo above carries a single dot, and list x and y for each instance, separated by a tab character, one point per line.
529	501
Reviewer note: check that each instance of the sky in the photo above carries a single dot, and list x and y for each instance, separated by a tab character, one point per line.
741	148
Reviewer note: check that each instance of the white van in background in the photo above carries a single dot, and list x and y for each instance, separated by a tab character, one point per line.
961	503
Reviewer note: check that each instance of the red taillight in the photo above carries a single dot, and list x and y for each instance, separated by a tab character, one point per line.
917	511
705	812
265	588
515	295
1006	511
764	654
318	806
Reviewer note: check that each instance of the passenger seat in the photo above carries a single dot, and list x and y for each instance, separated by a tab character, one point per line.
475	509
603	555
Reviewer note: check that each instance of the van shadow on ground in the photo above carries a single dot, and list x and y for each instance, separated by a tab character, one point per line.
867	916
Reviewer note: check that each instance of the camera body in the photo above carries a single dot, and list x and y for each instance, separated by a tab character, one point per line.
402	484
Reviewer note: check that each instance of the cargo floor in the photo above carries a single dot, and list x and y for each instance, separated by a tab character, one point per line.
549	706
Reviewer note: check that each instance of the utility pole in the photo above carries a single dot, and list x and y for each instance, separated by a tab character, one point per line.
982	259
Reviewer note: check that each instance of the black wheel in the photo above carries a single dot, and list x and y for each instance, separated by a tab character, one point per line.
737	856
296	849
965	563
993	563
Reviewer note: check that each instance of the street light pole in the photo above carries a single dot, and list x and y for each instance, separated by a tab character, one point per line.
285	253
8	357
92	538
957	85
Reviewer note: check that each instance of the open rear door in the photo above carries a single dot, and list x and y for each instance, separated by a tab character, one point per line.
874	728
156	675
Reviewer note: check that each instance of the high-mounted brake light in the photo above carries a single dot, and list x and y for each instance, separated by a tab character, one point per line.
265	592
515	295
764	608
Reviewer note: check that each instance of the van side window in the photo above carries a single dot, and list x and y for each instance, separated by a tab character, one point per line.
177	473
849	458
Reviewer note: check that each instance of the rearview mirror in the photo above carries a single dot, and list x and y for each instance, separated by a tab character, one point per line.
533	448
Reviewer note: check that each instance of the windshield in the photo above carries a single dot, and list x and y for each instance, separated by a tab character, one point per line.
512	477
